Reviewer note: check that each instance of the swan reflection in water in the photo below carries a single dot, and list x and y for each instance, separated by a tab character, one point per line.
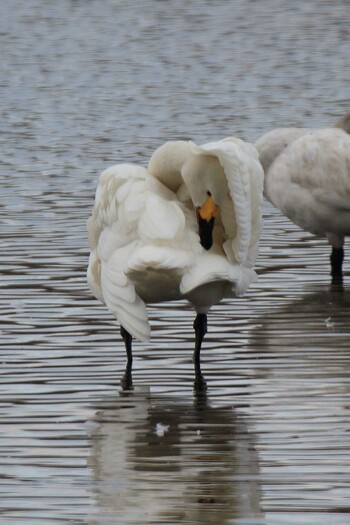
299	403
314	320
165	460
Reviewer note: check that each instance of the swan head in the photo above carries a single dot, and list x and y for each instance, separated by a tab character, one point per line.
207	185
182	166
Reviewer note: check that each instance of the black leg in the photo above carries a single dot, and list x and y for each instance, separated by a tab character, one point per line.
337	257
126	381
127	341
200	328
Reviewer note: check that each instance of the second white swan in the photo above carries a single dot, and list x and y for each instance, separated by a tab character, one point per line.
307	177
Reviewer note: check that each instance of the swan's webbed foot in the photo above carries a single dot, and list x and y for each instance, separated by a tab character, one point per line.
337	257
200	384
126	381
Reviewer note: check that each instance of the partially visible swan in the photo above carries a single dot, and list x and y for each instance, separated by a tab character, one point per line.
307	176
302	189
187	227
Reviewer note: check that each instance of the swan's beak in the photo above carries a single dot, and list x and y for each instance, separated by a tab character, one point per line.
206	217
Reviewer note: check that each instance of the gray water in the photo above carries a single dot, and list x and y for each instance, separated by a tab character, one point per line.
85	84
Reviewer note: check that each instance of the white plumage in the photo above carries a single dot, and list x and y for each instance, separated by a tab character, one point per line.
143	231
307	176
272	144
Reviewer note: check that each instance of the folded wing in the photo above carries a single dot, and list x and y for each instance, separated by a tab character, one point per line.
136	225
241	213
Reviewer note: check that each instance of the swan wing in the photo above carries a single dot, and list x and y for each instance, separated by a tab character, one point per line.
317	163
310	181
321	162
120	296
119	194
112	229
241	214
137	225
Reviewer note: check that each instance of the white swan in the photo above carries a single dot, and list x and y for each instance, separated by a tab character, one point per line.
307	176
153	238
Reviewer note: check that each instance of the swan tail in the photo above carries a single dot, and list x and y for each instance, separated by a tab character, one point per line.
213	268
159	258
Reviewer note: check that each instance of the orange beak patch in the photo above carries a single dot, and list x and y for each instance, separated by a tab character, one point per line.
208	210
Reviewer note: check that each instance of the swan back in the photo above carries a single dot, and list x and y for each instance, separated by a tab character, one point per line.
167	161
319	160
272	144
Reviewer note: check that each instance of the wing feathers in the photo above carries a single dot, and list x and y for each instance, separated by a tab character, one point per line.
159	258
123	302
244	176
138	225
211	268
161	220
130	209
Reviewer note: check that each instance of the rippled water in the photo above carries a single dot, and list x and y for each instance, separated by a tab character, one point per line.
85	84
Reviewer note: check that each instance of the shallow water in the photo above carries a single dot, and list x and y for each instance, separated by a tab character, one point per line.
87	84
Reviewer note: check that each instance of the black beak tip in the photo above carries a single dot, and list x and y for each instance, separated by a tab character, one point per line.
206	232
207	243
